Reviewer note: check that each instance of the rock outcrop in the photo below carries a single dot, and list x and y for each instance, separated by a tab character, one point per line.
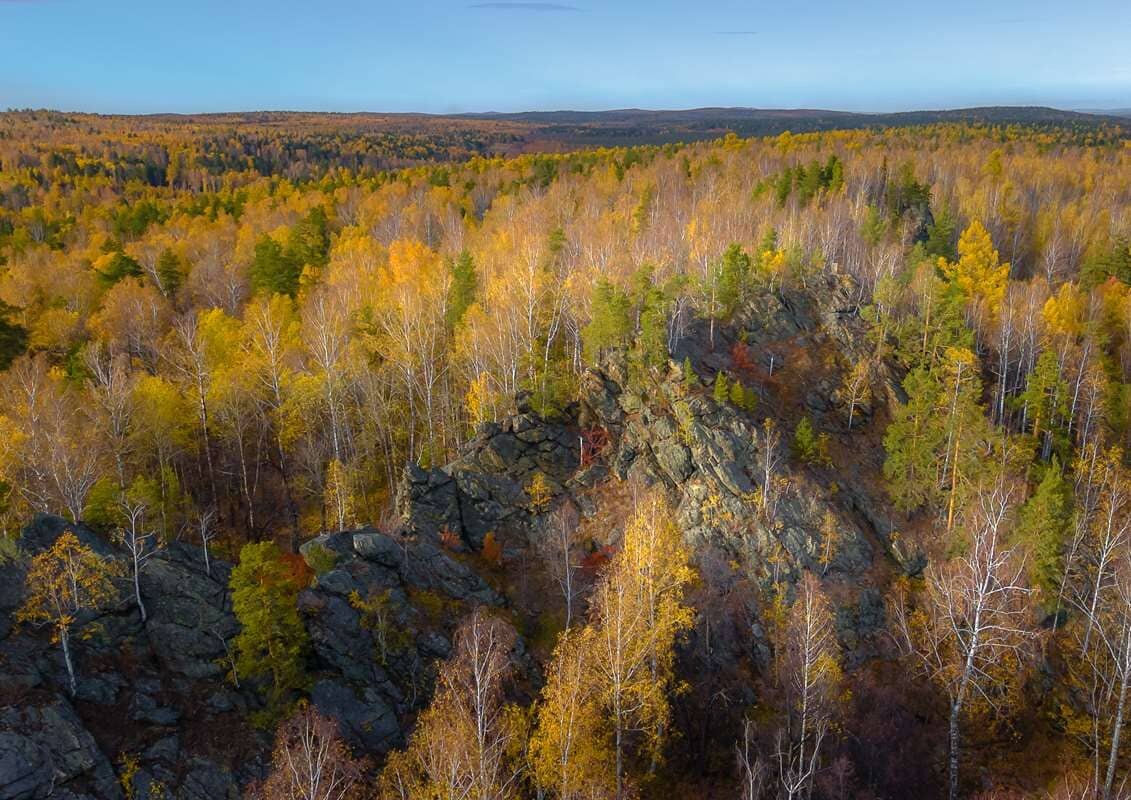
382	607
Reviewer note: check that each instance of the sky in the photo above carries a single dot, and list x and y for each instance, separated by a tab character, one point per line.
443	56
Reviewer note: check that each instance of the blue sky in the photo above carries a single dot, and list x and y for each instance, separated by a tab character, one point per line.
447	55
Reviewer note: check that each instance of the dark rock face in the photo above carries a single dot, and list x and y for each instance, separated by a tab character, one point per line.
708	455
137	685
485	489
46	747
158	692
377	621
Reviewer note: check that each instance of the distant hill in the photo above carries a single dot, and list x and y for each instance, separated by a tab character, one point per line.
307	144
663	125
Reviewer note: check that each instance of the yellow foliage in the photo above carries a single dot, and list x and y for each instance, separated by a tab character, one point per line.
979	271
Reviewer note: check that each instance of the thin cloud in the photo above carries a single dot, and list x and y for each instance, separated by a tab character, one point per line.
552	7
736	33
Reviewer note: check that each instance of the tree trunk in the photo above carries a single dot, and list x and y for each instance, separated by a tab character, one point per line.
65	640
1117	727
952	766
620	760
137	592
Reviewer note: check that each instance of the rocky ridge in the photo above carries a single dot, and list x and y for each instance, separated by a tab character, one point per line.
382	607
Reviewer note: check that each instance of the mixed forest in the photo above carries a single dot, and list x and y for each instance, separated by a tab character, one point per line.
815	480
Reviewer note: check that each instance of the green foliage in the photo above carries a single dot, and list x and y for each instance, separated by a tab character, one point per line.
941	238
722	389
731	276
912	441
743	397
904	192
118	267
610	324
939	442
276	269
9	551
939	324
809	446
809	180
1113	261
461	293
170	272
1044	525
651	345
103	510
1046	404
690	378
132	220
271	271
874	226
272	644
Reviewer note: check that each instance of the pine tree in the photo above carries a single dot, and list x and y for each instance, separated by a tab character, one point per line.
1046	403
609	324
732	274
272	642
169	272
805	441
461	293
272	271
1044	525
912	440
722	390
690	379
652	340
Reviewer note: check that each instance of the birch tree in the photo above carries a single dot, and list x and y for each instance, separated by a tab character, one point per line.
809	671
138	543
64	582
969	632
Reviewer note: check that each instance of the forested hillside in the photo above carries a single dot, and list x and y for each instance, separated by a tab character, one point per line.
784	467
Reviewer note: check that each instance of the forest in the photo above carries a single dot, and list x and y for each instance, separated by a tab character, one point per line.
779	467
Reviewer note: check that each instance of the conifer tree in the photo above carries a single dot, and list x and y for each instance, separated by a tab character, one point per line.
272	642
609	325
722	389
1044	525
461	292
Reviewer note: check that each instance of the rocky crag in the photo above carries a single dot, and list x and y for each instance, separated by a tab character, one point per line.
156	699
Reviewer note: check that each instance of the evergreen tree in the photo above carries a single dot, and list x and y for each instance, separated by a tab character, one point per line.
652	308
169	272
722	391
807	445
272	271
783	186
940	236
690	379
1044	525
732	274
609	325
461	294
116	267
1046	404
272	642
308	244
912	441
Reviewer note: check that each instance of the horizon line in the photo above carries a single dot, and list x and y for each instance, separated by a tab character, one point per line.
1117	110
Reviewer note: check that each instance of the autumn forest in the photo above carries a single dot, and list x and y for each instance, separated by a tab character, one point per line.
430	458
